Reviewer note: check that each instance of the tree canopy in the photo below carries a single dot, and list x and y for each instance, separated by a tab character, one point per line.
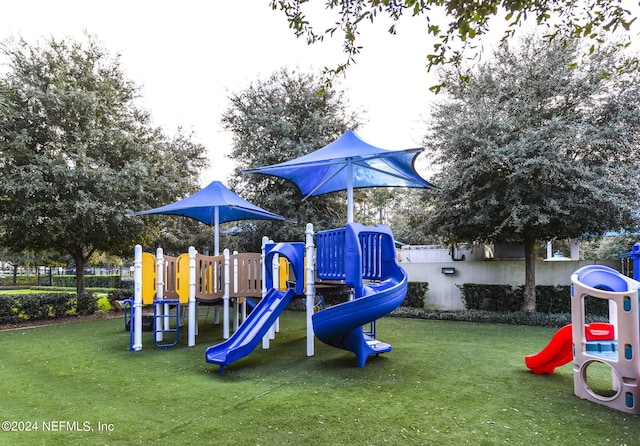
468	21
275	120
531	148
77	153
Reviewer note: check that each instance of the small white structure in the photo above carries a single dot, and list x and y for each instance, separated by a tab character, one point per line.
619	352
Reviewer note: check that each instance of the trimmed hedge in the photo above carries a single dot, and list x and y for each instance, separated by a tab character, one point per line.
494	317
490	297
103	281
14	308
8	313
86	303
416	292
505	298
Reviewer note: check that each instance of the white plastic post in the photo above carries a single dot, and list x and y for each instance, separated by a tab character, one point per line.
243	309
136	312
225	296
243	306
276	284
310	283
216	231
159	293
192	297
574	249
236	306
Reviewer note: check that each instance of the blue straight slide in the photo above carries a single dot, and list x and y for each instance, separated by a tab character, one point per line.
341	325
265	313
251	331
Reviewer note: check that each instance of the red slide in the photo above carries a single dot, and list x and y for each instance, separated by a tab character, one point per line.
558	352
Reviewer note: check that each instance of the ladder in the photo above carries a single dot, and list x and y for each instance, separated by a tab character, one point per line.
162	321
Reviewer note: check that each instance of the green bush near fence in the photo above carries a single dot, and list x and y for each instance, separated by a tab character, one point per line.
505	298
14	308
416	292
103	281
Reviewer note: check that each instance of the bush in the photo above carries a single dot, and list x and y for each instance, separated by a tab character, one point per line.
549	299
8	313
86	304
42	306
552	299
103	281
59	304
416	293
494	317
490	297
31	306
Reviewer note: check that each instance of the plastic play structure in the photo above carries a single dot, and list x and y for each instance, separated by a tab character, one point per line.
357	257
358	260
173	285
613	346
365	260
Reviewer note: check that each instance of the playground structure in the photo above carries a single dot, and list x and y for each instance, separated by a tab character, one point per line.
175	284
359	259
612	346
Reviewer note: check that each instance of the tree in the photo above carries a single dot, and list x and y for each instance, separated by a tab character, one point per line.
275	120
532	148
591	19
77	153
4	100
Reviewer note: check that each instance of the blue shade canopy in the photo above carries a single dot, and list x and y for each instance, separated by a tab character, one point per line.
349	163
213	205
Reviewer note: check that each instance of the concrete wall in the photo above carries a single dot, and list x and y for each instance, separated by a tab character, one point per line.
444	293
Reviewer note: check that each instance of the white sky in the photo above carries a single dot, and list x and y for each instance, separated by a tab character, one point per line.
189	56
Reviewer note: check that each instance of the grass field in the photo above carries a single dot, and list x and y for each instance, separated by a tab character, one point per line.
444	383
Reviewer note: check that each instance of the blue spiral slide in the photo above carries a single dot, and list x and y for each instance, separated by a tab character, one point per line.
263	316
341	325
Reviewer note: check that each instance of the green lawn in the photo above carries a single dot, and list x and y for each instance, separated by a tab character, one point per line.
444	383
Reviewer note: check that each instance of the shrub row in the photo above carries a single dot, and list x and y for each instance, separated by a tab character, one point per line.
104	281
505	298
14	308
494	317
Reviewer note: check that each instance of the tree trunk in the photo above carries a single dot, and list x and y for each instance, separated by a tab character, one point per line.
529	275
79	259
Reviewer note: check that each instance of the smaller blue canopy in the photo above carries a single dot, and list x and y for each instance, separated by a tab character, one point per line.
213	205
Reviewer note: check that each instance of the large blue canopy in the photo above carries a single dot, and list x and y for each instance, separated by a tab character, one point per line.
349	163
213	205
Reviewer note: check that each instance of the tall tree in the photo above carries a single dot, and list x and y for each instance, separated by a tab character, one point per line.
533	148
76	153
275	120
469	20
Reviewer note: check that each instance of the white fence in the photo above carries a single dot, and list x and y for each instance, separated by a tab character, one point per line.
446	275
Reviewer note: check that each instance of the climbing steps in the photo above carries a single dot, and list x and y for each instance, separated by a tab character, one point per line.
165	312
